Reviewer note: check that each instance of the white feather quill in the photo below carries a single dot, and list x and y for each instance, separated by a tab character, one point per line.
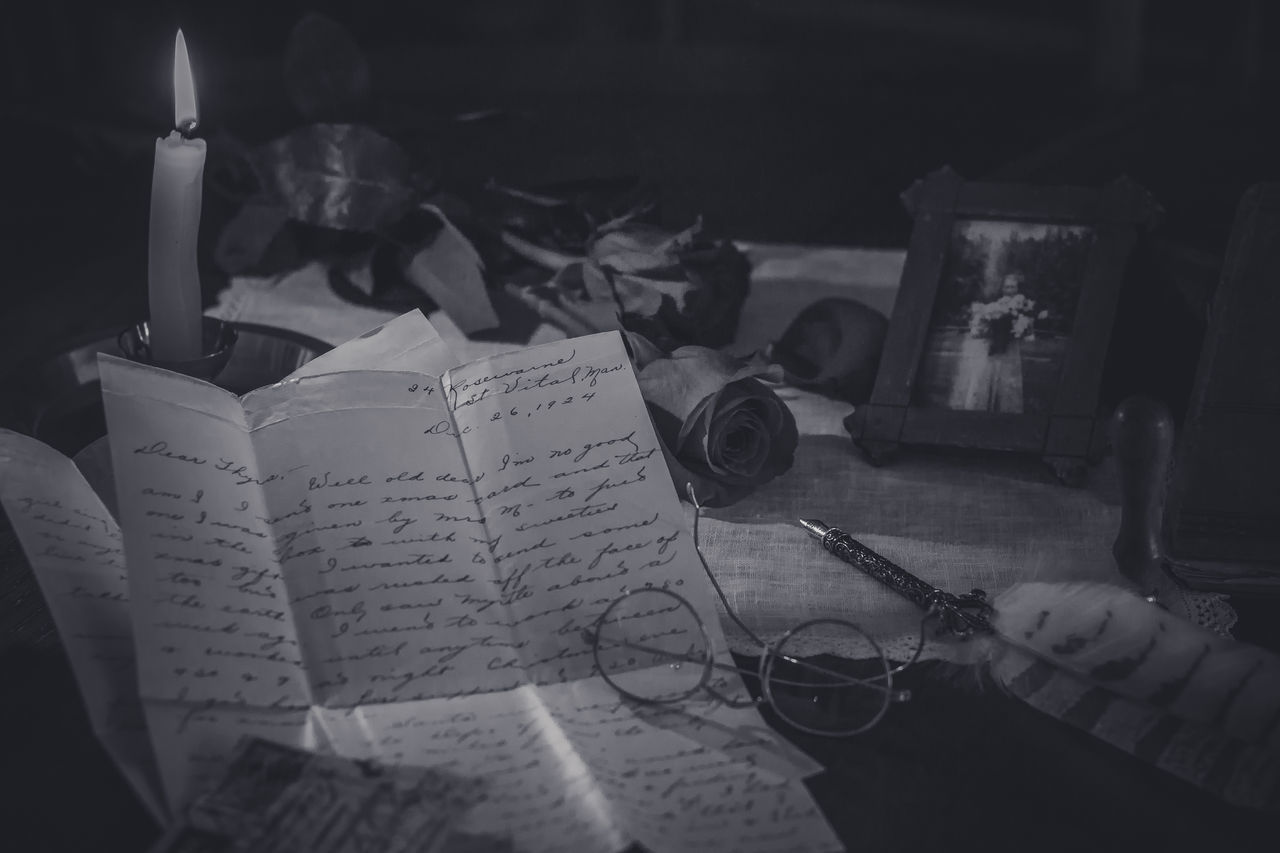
1121	641
1096	655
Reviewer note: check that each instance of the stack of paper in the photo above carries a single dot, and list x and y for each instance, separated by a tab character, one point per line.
388	556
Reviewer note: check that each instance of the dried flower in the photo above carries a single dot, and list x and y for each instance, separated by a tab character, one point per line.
723	430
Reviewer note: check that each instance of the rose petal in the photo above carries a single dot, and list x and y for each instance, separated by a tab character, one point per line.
577	299
740	447
743	438
709	490
724	442
679	383
641	349
833	347
743	468
643	294
749	405
640	247
691	423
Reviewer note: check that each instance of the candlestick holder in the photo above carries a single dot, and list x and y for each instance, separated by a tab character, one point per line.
55	395
218	339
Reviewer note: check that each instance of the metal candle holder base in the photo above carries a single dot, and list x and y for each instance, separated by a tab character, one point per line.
218	340
57	397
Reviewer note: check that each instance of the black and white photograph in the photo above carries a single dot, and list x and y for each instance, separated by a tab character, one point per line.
1003	316
639	426
1006	320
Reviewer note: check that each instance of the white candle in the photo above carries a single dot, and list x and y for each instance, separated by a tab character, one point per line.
173	278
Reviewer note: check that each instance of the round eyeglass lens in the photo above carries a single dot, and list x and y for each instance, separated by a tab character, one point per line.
650	645
816	692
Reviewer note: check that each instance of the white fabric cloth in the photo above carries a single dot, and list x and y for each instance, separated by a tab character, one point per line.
957	520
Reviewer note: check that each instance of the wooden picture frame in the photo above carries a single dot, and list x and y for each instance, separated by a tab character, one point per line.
1093	229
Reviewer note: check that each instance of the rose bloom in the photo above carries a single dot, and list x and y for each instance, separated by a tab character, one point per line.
723	430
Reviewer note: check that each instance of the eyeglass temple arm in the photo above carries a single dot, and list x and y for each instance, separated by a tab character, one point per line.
590	636
697	549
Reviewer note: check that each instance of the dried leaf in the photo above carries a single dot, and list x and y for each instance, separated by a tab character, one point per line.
720	277
374	277
244	240
342	176
641	349
564	217
586	293
353	278
668	286
578	300
639	247
563	314
596	286
448	269
643	296
675	286
325	72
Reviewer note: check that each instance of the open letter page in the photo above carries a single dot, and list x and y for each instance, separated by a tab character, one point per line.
670	789
579	508
217	640
74	548
373	513
540	792
211	617
574	494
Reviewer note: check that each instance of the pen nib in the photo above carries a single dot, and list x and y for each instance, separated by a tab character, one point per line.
816	528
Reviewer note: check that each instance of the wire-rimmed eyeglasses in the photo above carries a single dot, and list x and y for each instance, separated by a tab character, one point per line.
651	646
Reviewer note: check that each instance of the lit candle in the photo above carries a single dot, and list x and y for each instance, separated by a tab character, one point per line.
172	276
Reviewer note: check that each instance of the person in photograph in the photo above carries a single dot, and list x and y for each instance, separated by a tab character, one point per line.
989	375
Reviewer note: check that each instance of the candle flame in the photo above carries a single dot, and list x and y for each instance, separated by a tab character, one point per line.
184	88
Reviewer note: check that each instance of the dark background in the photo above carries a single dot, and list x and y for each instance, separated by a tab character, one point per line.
781	120
777	120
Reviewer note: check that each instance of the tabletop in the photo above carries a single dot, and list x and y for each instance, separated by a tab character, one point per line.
960	765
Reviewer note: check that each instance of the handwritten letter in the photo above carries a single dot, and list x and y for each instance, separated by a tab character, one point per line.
374	518
573	491
540	793
400	564
212	616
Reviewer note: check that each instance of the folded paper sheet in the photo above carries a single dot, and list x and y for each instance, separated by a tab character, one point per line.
75	550
398	564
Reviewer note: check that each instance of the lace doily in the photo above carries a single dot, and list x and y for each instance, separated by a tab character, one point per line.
1206	609
1212	611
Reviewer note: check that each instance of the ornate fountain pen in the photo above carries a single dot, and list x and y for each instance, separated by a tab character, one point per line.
962	615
